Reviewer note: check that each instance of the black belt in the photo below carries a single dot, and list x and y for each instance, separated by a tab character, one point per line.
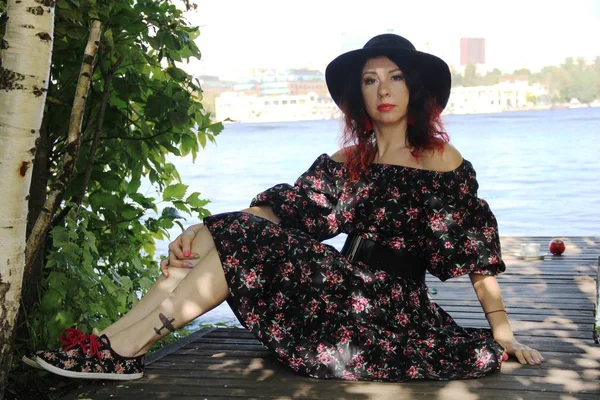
394	262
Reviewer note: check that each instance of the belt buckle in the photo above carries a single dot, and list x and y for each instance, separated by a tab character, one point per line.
355	244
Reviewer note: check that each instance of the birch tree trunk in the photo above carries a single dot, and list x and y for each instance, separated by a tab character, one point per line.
26	53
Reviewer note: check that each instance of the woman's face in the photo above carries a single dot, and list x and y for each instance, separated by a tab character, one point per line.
384	91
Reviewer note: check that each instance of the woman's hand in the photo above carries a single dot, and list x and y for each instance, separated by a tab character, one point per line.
180	255
524	354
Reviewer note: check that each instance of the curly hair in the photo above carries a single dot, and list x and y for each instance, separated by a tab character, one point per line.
425	132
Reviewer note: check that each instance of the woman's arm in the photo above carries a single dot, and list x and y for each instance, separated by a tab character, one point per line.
488	292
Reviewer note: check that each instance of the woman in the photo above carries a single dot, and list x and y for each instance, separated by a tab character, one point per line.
408	201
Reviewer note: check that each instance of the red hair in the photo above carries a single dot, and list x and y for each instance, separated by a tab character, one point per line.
426	131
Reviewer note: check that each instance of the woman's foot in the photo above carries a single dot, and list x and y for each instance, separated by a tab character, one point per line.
91	358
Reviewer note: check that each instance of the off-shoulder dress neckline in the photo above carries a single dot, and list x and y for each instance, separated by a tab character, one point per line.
462	165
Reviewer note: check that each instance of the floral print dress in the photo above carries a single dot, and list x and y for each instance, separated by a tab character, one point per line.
327	317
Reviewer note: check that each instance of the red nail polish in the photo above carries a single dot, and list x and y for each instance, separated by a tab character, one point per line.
186	254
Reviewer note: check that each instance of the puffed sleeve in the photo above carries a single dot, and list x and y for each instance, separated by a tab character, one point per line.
310	204
461	232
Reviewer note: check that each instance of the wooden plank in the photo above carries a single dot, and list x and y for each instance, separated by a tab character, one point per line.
541	343
173	347
452	391
554	361
551	344
583	315
569	323
580	303
562	304
512	373
279	382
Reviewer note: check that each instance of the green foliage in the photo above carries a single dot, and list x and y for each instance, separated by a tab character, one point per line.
102	256
83	286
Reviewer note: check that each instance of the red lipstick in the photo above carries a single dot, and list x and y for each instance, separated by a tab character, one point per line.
385	107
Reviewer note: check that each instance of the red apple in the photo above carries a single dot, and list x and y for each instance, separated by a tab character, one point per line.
556	247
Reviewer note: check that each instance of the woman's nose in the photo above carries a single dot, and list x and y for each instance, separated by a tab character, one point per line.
384	90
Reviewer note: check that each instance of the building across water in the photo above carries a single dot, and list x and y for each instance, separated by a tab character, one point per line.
302	94
241	107
508	95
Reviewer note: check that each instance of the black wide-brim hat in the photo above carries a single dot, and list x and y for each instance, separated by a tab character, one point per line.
434	72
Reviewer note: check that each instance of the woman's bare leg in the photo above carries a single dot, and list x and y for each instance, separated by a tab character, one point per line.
159	291
203	288
162	288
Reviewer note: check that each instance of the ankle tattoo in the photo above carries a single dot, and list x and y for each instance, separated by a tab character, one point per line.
167	324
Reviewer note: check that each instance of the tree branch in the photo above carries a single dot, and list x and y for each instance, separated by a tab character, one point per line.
92	155
96	140
42	224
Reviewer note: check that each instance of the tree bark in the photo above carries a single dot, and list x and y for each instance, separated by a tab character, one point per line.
39	180
24	74
57	191
32	277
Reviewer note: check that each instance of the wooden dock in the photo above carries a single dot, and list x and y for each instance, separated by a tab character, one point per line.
551	303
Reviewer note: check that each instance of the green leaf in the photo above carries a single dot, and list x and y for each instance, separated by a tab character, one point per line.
57	280
52	300
93	14
149	247
174	192
133	185
202	138
216	128
179	224
145	283
177	73
59	236
100	200
108	37
195	201
129	212
170	212
177	117
65	318
180	205
108	284
146	202
188	143
137	264
156	105
110	303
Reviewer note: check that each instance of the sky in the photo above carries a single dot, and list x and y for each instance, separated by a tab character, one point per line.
240	34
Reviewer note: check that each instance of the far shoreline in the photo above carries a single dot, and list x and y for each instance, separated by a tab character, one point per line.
507	111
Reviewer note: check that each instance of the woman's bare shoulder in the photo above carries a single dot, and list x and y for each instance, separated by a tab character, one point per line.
446	159
340	155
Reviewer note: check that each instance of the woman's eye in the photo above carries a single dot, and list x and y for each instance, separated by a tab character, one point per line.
369	81
398	77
